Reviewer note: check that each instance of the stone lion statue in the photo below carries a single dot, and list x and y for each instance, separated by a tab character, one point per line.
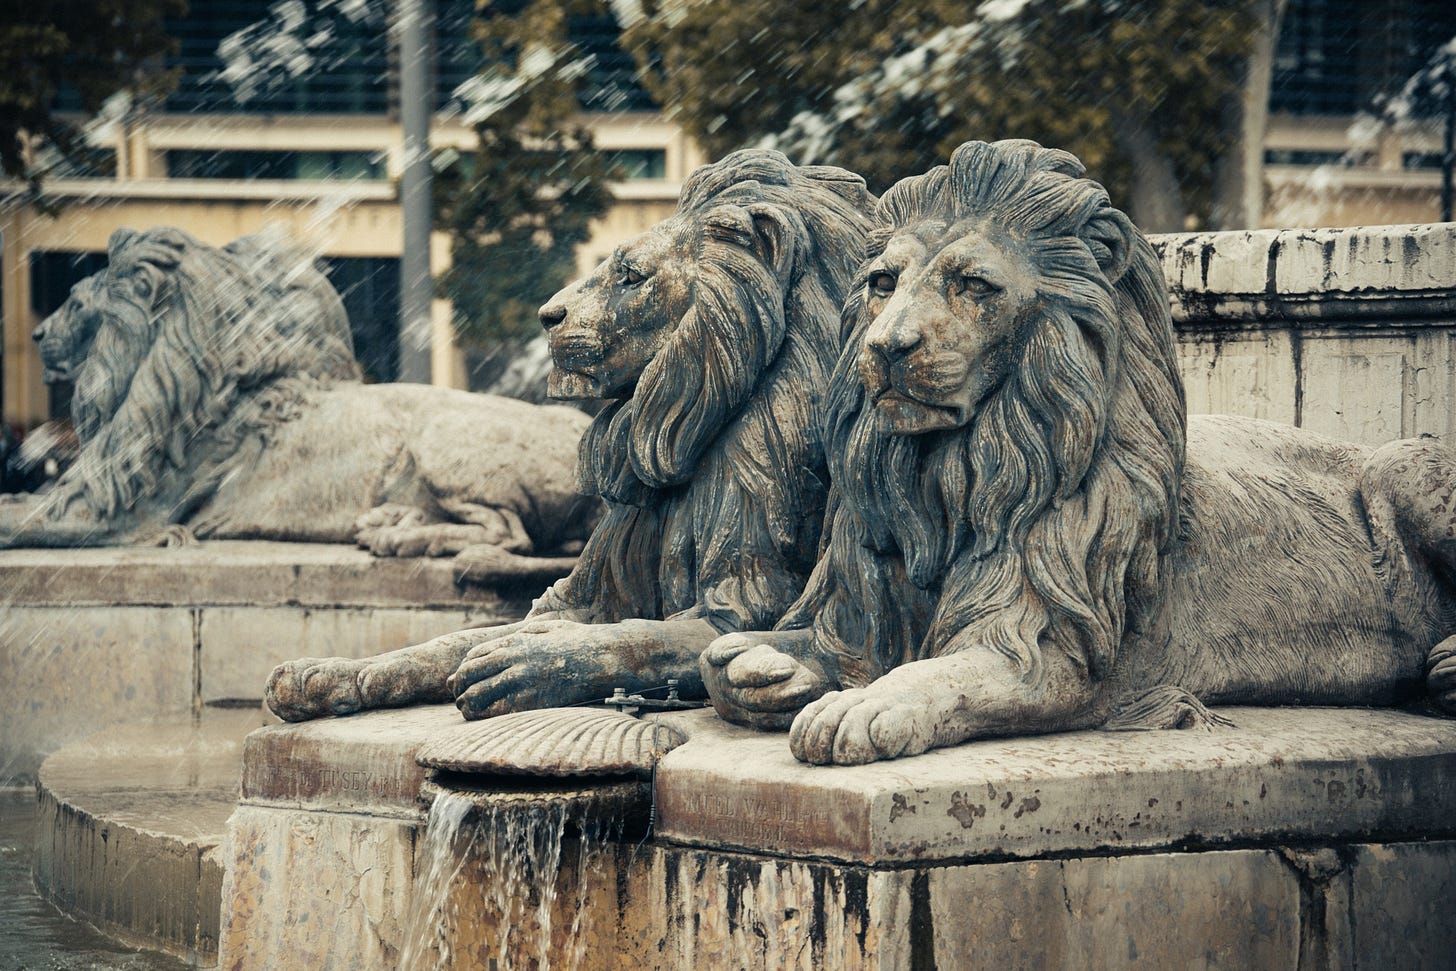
1016	541
712	337
216	393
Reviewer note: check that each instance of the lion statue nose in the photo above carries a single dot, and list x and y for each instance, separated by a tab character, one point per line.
552	314
39	333
895	341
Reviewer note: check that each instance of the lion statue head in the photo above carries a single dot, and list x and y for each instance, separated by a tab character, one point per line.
1006	425
64	338
712	335
165	342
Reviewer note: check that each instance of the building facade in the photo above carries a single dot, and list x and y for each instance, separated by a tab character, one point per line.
265	129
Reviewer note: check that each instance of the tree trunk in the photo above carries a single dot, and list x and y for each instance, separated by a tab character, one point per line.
1238	174
1156	200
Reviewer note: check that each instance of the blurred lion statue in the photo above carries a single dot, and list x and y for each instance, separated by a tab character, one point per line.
711	336
1016	541
217	396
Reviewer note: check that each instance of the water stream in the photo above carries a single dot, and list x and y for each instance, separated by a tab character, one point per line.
491	876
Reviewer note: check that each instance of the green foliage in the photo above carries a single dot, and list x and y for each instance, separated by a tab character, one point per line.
98	46
890	87
518	207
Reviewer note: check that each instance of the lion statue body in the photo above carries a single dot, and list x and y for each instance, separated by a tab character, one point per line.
712	337
1026	535
217	395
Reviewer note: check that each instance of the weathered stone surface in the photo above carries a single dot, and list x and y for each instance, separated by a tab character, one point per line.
1402	893
1311	274
1084	896
130	824
363	763
250	573
93	637
65	672
1234	909
1280	773
315	890
1345	332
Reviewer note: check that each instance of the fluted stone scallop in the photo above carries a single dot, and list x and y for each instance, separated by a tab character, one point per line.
555	742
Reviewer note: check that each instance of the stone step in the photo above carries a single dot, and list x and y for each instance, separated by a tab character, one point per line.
131	825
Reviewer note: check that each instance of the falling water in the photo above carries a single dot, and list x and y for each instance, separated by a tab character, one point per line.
424	934
501	854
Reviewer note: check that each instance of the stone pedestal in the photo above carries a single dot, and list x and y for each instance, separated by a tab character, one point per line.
1301	838
90	638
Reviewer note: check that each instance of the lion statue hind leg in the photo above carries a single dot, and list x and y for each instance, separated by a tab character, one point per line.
1166	706
1408	487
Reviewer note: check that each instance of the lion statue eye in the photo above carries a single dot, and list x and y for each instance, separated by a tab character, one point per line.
882	283
977	286
630	277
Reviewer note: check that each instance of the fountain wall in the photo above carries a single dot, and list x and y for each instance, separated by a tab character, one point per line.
98	637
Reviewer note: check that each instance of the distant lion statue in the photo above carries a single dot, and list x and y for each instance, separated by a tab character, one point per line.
217	396
1017	543
712	337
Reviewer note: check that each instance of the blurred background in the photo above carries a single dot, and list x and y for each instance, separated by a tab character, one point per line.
488	151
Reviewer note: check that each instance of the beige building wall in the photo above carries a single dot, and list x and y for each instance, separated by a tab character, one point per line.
334	218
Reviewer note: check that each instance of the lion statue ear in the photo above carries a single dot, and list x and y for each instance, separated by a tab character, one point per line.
842	182
761	227
162	247
1111	237
119	241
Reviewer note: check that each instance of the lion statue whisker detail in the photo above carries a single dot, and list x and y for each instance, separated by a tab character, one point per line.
712	337
1026	534
217	396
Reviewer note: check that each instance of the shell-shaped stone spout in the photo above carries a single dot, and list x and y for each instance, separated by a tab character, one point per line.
554	742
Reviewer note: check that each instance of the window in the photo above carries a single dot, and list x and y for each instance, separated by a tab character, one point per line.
257	164
638	163
335	60
1340	57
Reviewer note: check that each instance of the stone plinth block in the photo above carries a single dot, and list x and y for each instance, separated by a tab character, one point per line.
1282	773
1298	838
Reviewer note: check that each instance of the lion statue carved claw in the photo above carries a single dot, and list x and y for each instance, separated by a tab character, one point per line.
711	337
1016	542
217	396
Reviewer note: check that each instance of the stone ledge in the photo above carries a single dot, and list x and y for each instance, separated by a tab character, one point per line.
246	573
360	763
1280	775
1362	276
131	824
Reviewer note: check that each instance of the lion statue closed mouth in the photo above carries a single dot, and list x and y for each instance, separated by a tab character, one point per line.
217	395
1016	540
711	336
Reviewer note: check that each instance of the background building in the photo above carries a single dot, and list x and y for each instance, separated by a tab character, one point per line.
233	150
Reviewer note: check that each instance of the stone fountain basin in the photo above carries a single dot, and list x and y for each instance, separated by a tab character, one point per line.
1295	829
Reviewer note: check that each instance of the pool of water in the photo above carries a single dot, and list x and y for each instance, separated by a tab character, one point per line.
34	936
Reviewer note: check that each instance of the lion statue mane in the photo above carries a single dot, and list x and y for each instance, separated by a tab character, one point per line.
712	337
217	396
1020	538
